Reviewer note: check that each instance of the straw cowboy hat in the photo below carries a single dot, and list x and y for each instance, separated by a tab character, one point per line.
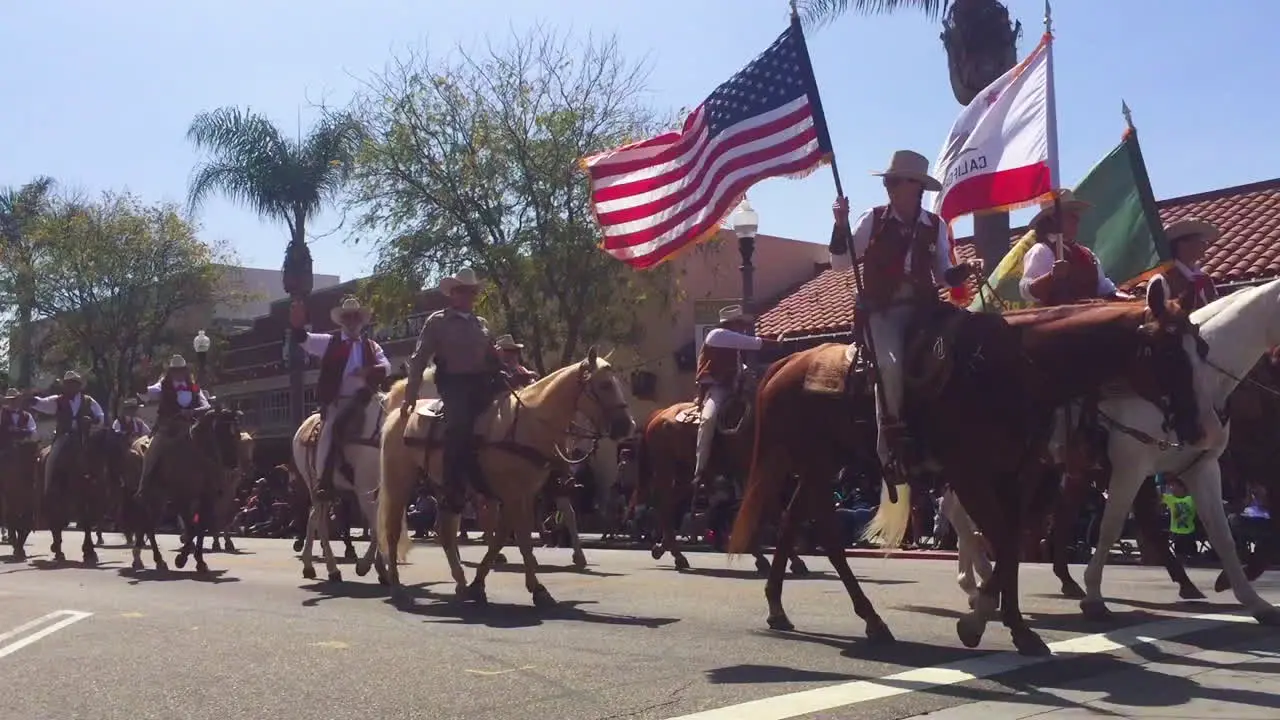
466	277
71	376
506	342
731	313
1189	227
177	361
12	394
912	166
1067	200
350	305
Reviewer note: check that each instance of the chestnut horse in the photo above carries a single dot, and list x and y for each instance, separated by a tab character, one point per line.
76	490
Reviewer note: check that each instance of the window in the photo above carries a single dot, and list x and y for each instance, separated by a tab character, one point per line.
275	408
309	404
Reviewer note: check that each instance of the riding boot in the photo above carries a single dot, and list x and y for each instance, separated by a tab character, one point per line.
903	450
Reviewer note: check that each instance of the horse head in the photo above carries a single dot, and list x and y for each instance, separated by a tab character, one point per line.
218	429
600	397
1169	342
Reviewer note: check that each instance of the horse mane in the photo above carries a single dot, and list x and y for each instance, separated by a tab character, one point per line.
394	397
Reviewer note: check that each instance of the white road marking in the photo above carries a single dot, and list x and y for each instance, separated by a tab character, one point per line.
500	672
841	695
69	617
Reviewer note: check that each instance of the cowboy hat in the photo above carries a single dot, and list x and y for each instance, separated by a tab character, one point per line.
130	404
177	361
71	376
912	166
731	313
349	306
466	277
12	393
1067	200
506	342
1189	227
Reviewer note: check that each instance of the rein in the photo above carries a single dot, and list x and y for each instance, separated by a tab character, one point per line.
574	430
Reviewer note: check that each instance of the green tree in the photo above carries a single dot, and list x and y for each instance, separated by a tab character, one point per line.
256	165
121	282
981	45
20	210
472	160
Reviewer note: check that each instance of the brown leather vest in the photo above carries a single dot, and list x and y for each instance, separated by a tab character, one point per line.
333	364
884	265
1081	282
1179	284
64	420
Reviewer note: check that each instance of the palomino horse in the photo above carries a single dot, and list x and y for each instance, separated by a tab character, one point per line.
75	490
668	447
360	448
1238	330
186	478
19	490
520	436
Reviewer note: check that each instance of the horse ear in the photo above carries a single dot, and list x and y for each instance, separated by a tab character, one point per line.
592	356
1158	297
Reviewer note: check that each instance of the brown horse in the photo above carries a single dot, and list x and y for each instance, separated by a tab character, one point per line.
984	411
19	490
76	490
666	455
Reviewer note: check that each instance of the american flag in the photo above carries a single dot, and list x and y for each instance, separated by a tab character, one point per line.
656	197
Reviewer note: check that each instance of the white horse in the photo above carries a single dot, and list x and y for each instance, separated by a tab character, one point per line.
363	454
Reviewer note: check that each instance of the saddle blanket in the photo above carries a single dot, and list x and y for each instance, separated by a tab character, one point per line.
828	373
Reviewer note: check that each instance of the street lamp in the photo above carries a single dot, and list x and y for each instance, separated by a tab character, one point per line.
745	224
201	345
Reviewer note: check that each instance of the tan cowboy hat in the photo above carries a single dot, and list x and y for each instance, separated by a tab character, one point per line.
11	394
1192	226
350	305
731	313
912	166
466	277
71	376
1067	200
177	361
506	342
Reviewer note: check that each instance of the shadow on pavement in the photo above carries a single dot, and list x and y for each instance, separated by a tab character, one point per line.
516	567
448	609
756	674
150	575
1067	622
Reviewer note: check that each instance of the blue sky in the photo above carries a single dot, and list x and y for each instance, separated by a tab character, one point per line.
99	95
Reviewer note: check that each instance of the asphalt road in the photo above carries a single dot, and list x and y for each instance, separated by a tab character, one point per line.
631	639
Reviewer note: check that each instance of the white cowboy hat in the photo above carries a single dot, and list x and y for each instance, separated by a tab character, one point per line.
466	277
71	376
177	361
1067	200
912	166
731	313
506	342
130	404
350	305
1192	226
12	393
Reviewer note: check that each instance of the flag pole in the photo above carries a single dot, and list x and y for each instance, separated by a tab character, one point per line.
1149	208
1051	109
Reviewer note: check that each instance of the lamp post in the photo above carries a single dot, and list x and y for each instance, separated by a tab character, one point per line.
201	345
745	223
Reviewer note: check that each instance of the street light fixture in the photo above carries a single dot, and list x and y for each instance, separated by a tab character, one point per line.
745	224
201	344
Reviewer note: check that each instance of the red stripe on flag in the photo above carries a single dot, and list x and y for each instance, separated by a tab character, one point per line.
997	189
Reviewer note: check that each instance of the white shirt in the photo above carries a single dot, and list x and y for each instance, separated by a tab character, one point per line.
49	406
861	230
1039	260
182	390
730	340
317	343
140	426
29	426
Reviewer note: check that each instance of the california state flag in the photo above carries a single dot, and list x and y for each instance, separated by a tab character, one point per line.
1002	152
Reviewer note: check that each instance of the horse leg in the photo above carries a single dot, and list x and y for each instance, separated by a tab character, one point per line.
565	506
449	523
521	519
308	537
320	516
86	548
827	530
778	619
1122	489
497	540
1074	489
1147	517
971	553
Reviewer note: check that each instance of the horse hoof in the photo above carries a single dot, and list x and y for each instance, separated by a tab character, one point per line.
308	573
579	560
382	578
500	559
90	558
362	568
969	629
1191	592
137	565
477	595
799	569
228	546
19	554
682	562
161	566
180	561
1072	591
350	554
1269	617
335	576
297	545
1095	610
542	599
1222	584
1029	643
780	622
59	557
878	633
201	567
657	551
216	547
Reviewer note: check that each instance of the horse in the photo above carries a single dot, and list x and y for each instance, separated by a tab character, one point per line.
984	406
74	490
1238	330
226	506
666	455
186	477
520	435
361	448
19	490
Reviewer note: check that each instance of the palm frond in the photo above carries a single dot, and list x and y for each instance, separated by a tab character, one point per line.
817	13
241	184
235	138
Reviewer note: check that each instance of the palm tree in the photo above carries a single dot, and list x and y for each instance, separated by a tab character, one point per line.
20	209
253	163
981	46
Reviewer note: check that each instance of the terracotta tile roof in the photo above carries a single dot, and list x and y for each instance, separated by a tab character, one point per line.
822	305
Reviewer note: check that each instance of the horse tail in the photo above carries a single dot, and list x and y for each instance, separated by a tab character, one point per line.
392	498
889	525
764	482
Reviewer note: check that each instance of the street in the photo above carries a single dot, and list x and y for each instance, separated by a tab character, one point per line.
631	638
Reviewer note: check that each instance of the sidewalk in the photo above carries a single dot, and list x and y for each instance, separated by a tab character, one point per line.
1241	684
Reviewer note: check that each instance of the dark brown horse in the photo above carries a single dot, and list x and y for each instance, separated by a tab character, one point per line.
984	418
667	451
76	490
20	486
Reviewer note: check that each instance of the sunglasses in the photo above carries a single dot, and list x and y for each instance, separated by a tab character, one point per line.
891	182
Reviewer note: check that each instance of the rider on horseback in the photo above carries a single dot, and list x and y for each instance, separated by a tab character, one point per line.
517	375
1078	275
18	424
129	426
459	343
351	369
1188	241
69	408
180	401
906	255
719	367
